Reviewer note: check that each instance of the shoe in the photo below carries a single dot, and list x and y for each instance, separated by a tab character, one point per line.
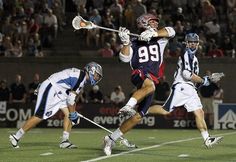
108	145
14	141
126	111
67	144
210	141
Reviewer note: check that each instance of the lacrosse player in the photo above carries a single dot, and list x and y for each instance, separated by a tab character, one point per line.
145	55
58	92
184	93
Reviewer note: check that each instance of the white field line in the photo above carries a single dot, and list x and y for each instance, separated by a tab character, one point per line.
151	147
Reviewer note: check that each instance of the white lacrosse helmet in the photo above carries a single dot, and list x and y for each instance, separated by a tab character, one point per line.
143	20
92	68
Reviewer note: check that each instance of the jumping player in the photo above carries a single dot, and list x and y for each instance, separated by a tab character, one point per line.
145	56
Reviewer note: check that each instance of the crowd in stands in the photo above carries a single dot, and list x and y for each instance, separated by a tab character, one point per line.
27	26
213	20
19	92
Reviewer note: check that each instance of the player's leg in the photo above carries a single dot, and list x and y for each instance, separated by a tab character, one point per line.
194	105
46	106
109	141
147	87
157	109
202	127
65	143
30	123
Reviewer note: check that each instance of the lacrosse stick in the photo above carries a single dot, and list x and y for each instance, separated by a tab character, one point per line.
215	77
79	23
123	141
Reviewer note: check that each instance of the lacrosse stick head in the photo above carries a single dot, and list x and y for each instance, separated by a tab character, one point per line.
79	23
215	77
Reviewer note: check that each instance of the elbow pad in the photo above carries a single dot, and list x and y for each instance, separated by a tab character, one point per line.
71	98
170	31
187	74
125	58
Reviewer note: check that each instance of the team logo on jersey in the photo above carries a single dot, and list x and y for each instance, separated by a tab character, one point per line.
48	113
225	116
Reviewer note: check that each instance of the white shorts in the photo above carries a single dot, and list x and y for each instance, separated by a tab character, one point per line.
49	101
183	94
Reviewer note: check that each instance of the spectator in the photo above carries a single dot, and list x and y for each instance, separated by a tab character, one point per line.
213	29
227	46
93	34
129	19
218	96
117	96
138	8
4	91
116	12
32	87
208	11
178	16
82	97
213	50
106	51
95	95
162	91
32	48
2	48
18	91
206	93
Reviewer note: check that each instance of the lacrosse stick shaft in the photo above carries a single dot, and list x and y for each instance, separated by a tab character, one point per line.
80	115
114	30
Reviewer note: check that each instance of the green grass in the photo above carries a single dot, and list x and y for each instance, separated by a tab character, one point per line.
89	141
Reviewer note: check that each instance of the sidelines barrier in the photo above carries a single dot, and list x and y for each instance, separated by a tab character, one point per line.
14	115
225	116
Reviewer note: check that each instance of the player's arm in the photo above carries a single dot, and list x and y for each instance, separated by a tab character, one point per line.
73	116
126	51
188	75
166	32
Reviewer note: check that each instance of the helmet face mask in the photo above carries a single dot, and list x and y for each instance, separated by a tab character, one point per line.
144	21
192	41
94	71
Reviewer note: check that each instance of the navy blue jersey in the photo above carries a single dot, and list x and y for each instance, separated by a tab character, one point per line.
148	56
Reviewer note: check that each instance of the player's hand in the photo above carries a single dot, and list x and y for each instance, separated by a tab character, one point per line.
124	35
147	35
74	117
206	81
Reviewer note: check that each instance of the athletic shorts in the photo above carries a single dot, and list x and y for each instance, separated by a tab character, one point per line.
183	94
49	101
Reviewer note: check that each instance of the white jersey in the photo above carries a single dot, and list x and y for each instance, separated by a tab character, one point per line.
185	62
53	92
68	79
183	91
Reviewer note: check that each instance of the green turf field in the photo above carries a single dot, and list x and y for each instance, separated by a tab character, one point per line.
154	146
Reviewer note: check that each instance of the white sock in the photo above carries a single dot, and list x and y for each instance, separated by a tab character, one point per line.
205	134
116	134
65	135
19	133
132	102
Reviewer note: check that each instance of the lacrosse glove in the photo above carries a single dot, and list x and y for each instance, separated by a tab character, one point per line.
206	81
148	34
124	35
74	117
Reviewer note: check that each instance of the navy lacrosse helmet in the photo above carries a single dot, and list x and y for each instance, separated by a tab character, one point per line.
92	68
